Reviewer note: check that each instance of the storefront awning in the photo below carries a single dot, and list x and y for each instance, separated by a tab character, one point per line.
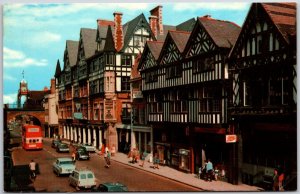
210	130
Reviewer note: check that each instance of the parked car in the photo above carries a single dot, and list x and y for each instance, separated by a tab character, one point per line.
82	179
89	147
62	147
55	142
82	154
110	187
63	166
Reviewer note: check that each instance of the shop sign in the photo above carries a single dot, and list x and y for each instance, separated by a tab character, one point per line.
231	138
78	115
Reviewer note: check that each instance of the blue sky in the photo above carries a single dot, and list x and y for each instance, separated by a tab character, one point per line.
34	35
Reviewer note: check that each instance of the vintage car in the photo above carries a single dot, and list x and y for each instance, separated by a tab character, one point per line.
89	147
55	142
110	187
82	154
62	147
82	179
63	166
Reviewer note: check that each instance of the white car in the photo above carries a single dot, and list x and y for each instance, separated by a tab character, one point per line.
63	166
89	147
82	179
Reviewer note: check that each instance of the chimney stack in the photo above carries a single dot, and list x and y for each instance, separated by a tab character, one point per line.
52	87
153	25
157	11
118	33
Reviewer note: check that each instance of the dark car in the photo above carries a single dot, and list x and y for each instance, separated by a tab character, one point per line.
110	187
55	142
62	147
82	154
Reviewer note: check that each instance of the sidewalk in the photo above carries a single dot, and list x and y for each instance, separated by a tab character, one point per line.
189	179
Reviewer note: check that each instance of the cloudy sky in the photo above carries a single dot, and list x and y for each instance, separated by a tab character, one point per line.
34	35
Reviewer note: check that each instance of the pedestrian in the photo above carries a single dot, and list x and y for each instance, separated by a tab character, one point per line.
156	161
107	159
32	167
73	156
143	157
280	180
209	170
275	180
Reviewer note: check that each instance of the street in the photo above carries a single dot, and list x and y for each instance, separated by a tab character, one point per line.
47	181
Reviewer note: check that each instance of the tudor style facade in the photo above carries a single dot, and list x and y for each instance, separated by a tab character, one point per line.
184	82
263	107
94	90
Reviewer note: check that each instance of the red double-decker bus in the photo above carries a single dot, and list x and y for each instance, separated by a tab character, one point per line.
32	137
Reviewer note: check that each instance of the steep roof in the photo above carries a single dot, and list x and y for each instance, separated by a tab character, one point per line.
180	38
155	48
223	33
58	69
104	34
129	27
72	49
89	41
283	16
187	25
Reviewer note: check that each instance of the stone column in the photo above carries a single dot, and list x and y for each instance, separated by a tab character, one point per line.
84	135
72	135
133	139
100	139
65	132
79	135
145	141
89	135
94	136
75	134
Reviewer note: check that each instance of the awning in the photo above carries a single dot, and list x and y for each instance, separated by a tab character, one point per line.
221	131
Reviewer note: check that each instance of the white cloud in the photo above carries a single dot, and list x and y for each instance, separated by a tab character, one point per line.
43	38
9	61
9	98
9	77
210	6
12	54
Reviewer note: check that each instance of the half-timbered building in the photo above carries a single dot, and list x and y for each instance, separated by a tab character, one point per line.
263	107
185	89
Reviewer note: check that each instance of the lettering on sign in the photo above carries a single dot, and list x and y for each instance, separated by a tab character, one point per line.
231	138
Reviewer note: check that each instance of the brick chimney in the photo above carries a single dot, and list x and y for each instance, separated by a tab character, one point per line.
118	33
52	87
157	11
153	25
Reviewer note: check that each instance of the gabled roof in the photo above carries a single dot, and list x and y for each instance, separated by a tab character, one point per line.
109	41
89	41
180	38
223	33
184	26
155	48
283	16
104	33
72	49
58	69
130	26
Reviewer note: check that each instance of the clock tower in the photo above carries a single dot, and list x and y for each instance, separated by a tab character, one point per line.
23	90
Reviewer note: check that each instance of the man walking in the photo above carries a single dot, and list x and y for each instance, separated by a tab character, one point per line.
209	170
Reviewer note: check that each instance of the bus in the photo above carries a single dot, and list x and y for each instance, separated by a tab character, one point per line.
32	137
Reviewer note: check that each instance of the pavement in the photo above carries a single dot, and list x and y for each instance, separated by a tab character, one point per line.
186	178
